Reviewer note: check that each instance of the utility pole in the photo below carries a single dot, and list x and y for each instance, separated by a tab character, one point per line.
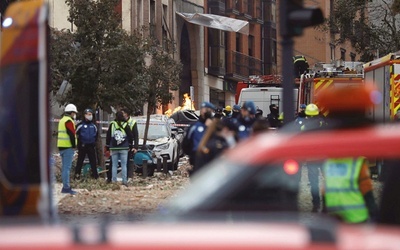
293	18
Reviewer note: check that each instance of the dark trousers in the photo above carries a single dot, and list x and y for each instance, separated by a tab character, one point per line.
313	178
90	151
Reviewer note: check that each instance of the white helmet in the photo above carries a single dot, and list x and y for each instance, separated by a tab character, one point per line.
70	108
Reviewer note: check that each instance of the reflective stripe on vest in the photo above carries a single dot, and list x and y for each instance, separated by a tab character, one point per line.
63	140
131	122
342	193
299	58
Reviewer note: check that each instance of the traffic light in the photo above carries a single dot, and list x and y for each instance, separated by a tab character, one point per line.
295	17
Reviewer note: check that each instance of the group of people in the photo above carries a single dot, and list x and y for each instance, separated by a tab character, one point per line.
348	189
121	144
218	129
211	135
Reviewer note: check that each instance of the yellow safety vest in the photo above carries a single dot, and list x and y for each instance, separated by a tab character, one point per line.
63	140
342	194
121	142
131	122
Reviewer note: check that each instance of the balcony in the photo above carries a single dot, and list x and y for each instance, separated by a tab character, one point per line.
216	64
241	66
216	7
232	7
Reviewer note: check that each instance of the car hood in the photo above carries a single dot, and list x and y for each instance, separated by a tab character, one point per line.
155	142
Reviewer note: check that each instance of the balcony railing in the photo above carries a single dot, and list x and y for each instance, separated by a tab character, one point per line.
216	7
242	66
250	10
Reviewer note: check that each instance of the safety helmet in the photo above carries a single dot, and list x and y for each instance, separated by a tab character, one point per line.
70	108
88	111
312	109
228	108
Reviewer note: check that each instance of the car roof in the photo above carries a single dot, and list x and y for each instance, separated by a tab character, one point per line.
371	141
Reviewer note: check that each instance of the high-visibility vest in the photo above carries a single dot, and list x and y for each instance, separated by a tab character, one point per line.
342	194
63	140
118	140
131	122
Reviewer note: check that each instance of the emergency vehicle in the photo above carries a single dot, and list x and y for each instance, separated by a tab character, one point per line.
327	75
266	90
263	91
384	73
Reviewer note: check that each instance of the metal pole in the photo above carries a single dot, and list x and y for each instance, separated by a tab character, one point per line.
287	64
288	79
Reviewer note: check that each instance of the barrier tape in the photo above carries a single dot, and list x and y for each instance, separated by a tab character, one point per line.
108	122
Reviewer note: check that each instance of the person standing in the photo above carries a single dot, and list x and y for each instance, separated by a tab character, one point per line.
134	130
196	131
66	142
273	116
220	136
86	132
348	190
245	121
118	142
310	122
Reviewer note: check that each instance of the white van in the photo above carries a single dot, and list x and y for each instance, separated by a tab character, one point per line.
265	96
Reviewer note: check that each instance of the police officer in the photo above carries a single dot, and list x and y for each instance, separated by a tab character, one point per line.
66	142
86	132
246	120
220	135
196	131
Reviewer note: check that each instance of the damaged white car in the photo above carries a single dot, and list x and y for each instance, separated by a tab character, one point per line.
160	139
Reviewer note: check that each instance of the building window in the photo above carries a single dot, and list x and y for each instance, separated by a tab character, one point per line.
353	56
342	54
274	58
216	43
251	45
332	46
238	43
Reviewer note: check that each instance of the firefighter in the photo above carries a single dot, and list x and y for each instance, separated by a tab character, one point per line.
312	121
300	65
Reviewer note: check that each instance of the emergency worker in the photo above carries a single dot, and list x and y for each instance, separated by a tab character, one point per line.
119	141
235	111
227	111
196	131
246	120
86	132
300	65
66	142
348	186
348	190
273	116
312	121
220	135
135	134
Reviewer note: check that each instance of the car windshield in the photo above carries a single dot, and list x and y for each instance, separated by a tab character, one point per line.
157	130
